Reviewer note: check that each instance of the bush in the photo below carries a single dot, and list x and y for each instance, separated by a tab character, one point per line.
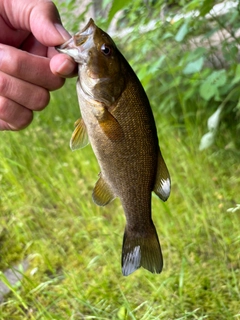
186	55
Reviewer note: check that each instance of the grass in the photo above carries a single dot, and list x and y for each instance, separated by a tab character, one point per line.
74	247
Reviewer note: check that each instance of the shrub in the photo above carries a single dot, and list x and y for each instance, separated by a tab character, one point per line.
186	55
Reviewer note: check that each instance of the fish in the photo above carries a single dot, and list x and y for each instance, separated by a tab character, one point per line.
117	120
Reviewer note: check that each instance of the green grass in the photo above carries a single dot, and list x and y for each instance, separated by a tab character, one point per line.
74	247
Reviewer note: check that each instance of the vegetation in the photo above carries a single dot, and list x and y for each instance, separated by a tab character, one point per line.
74	247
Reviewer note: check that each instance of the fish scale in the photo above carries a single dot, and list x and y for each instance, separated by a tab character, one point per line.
118	121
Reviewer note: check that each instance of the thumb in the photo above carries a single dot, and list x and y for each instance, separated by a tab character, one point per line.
41	18
45	24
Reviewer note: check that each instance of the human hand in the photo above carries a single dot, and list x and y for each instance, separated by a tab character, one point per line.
30	67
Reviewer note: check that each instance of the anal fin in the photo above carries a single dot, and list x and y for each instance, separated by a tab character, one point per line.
102	193
162	186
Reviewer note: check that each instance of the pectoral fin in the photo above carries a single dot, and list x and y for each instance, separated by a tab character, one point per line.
79	137
102	193
162	185
109	125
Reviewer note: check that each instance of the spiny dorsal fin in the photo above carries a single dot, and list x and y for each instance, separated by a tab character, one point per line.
102	193
79	137
162	185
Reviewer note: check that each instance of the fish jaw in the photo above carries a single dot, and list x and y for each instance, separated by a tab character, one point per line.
79	45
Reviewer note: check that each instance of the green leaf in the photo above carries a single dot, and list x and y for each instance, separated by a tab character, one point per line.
167	35
218	78
237	75
117	6
182	32
157	64
206	7
122	313
197	53
194	66
206	91
210	87
214	120
207	140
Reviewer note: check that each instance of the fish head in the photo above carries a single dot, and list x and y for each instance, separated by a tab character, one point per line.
100	63
80	44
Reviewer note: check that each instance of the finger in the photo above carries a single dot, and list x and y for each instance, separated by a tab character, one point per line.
39	17
45	24
9	36
33	46
64	66
24	93
13	115
28	67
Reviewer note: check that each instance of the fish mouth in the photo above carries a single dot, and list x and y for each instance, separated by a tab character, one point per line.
78	46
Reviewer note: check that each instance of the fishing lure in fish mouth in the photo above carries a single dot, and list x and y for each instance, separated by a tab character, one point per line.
118	122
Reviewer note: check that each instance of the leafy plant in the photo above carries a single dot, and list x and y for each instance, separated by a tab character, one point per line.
186	56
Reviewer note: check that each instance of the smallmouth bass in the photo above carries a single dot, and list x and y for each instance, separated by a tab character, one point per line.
118	121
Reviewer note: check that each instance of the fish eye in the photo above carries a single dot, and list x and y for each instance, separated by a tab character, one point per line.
106	50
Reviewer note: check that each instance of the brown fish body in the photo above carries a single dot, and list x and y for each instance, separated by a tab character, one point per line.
118	120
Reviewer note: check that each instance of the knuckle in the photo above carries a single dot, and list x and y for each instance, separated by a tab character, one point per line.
23	122
57	84
16	116
14	66
3	84
41	99
7	63
3	107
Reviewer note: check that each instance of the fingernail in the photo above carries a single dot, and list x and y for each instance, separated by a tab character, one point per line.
65	35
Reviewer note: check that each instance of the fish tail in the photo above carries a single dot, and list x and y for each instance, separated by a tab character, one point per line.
141	251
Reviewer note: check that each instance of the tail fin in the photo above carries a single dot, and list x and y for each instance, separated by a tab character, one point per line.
141	251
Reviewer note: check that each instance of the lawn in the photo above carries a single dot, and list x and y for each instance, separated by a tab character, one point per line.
73	247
